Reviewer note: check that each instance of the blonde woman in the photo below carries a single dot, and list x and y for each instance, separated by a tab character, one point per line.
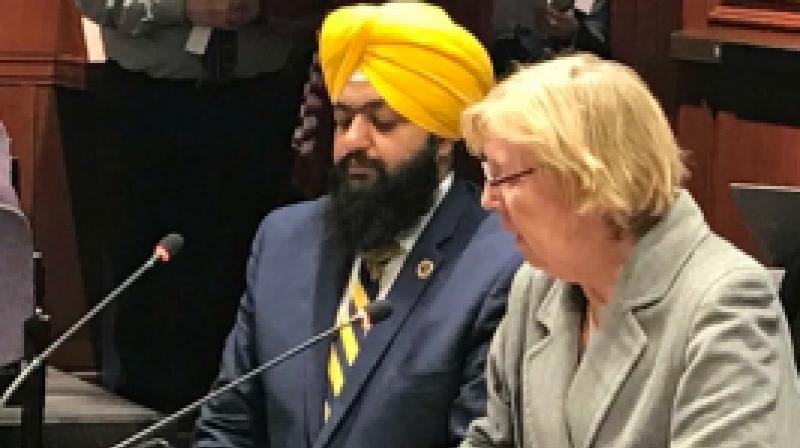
633	324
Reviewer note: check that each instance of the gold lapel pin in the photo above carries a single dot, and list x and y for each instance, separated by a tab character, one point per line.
425	269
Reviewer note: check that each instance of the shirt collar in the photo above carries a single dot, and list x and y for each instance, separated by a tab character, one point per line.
407	242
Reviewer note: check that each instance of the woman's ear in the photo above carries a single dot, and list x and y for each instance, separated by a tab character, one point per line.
444	153
444	148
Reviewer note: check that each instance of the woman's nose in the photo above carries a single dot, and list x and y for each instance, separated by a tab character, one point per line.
489	198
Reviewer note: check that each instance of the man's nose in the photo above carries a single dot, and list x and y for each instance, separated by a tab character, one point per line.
356	136
358	131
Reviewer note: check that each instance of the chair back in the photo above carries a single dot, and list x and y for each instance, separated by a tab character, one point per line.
16	281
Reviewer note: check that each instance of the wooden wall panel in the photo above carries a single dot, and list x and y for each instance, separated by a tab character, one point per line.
54	228
41	48
29	114
694	123
28	25
739	102
695	14
70	35
781	15
750	152
640	31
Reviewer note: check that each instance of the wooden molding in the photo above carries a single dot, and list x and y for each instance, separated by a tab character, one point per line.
71	71
784	18
697	44
42	69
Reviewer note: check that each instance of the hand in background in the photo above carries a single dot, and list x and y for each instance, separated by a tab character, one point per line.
226	14
312	110
312	137
558	25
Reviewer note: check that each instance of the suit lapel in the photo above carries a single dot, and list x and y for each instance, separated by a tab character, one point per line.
616	346
331	274
558	319
613	351
406	291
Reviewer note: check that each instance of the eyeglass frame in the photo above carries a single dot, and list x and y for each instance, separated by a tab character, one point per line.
502	180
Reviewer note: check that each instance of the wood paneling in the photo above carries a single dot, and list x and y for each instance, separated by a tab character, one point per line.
694	123
750	152
29	25
739	103
733	95
779	15
695	14
41	48
54	230
640	31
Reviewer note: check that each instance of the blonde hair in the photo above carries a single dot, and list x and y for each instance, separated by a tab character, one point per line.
596	126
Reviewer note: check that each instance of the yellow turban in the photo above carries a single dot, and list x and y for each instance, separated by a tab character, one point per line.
424	65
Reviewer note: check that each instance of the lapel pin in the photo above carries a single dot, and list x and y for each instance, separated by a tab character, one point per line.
425	269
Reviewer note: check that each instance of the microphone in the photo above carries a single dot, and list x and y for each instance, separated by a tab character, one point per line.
155	443
167	248
374	312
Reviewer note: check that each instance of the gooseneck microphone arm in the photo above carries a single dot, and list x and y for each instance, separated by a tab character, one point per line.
164	251
374	312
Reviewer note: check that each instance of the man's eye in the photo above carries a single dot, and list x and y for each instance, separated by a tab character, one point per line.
385	125
342	121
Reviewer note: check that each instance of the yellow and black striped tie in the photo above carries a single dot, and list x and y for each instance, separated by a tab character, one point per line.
363	288
345	348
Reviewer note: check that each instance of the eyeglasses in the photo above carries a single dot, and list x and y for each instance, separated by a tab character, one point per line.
377	113
501	180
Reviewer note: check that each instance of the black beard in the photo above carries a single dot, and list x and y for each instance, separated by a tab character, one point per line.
364	217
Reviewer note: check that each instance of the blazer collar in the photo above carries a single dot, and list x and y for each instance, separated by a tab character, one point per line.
555	323
614	349
578	394
659	255
582	393
406	291
331	272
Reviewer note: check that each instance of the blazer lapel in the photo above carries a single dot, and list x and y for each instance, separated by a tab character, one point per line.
613	351
331	272
558	319
408	288
616	346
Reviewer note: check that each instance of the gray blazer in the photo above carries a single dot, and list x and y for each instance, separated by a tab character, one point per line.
692	350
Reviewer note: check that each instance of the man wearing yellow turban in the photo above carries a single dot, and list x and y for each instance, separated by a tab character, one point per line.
423	66
398	227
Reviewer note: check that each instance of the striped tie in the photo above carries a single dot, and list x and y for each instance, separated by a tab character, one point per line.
363	288
345	348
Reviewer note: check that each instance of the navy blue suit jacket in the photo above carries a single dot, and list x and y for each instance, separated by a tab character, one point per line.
419	378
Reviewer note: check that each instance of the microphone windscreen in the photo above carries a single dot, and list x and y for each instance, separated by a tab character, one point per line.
169	246
378	310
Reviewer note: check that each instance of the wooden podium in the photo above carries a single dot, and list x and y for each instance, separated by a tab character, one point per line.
42	49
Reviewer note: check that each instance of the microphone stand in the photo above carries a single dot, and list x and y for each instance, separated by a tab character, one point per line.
256	371
153	443
39	359
167	247
37	331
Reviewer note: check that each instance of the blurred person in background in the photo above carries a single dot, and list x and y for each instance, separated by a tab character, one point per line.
194	140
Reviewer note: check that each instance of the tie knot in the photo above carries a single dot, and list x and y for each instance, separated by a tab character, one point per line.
376	259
